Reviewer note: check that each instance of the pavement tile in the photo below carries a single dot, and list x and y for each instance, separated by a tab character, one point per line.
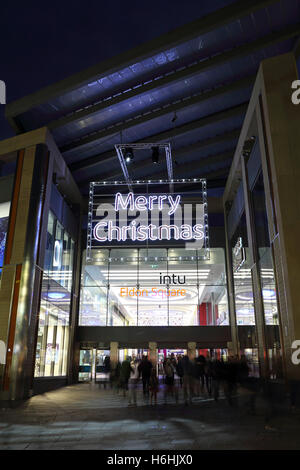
86	417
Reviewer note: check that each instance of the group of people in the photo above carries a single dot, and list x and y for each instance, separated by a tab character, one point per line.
127	375
203	375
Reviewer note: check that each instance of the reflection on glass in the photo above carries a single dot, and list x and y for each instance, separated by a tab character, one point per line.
85	365
53	328
268	288
242	277
153	287
265	257
4	216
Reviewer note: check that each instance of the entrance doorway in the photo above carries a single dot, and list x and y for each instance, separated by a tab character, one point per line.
85	365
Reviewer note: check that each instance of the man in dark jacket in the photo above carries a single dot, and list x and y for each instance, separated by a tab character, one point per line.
144	369
125	374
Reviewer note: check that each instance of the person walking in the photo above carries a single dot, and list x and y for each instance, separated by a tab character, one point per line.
231	378
208	374
106	370
145	368
125	374
133	381
115	377
188	379
179	369
153	386
197	375
169	380
217	375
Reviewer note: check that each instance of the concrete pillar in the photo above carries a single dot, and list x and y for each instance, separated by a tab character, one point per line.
191	350
231	349
257	288
114	354
22	271
278	125
230	288
153	352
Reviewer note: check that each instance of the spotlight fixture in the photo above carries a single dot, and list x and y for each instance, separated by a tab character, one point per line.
128	155
155	155
174	118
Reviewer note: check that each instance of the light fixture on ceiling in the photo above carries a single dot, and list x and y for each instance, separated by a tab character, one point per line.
155	155
128	155
174	118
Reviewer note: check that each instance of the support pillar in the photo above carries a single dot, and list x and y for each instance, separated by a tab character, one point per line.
22	270
230	290
153	352
278	125
257	288
114	354
231	349
191	350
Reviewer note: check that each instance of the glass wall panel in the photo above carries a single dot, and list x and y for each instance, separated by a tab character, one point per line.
265	257
182	264
244	300
120	262
153	266
153	287
4	216
53	328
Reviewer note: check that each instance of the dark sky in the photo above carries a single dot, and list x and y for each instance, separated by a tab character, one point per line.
42	42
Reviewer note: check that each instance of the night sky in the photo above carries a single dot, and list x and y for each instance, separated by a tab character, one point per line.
43	42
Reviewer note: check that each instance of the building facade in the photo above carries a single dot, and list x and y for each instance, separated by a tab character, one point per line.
63	309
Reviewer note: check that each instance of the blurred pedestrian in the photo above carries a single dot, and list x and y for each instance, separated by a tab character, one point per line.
187	380
153	386
217	375
106	370
145	368
231	377
133	381
115	377
169	380
208	374
179	369
125	374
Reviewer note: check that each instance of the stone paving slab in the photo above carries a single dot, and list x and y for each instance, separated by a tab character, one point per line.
86	417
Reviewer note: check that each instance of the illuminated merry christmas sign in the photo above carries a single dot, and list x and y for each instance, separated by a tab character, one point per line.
137	230
156	217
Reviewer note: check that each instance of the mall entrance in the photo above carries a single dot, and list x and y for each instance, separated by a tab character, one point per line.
96	364
153	287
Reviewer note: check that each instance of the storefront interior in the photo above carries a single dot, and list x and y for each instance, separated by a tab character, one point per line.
153	287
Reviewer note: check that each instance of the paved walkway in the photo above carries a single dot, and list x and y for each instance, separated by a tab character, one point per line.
86	417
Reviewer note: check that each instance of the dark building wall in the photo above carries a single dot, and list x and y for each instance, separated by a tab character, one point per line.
45	384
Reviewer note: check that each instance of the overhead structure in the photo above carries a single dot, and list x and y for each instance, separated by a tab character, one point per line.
189	87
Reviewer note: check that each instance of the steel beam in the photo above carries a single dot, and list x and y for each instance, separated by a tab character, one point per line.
165	135
178	152
145	85
159	112
219	59
184	33
188	71
197	165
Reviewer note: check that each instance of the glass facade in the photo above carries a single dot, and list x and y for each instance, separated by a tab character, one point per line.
53	328
244	302
4	216
153	287
265	257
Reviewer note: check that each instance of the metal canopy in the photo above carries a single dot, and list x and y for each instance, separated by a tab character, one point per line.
189	87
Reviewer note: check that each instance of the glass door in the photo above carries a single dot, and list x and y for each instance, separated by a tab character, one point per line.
85	365
102	367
